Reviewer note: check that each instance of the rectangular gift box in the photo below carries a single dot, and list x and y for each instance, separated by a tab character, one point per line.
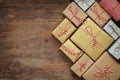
105	68
75	14
84	4
114	50
112	29
112	7
82	65
64	30
91	39
71	51
98	14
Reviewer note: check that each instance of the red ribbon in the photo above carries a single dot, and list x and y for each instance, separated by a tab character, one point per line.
74	14
89	31
71	52
103	73
82	65
65	30
98	14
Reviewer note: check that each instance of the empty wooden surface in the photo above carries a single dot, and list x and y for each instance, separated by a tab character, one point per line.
28	51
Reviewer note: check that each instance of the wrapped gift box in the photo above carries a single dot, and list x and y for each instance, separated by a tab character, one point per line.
98	14
114	50
105	68
112	29
112	7
75	14
91	39
84	4
82	65
64	30
71	51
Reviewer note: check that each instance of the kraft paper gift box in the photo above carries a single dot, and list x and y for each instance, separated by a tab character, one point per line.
98	14
64	30
112	7
71	51
82	65
91	39
112	29
114	50
75	14
105	68
84	4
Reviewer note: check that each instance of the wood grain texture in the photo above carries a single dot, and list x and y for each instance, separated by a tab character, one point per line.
28	51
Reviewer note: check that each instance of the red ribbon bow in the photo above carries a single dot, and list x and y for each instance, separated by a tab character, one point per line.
74	13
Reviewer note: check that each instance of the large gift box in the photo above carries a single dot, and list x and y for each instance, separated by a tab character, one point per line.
98	14
71	51
105	68
112	7
64	30
91	39
115	49
84	4
112	29
75	14
82	65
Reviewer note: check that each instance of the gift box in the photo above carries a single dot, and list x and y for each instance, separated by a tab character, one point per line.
105	68
112	29
82	65
75	14
98	14
114	50
91	39
64	30
112	7
84	4
71	51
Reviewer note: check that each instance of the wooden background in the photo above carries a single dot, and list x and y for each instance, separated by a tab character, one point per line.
28	51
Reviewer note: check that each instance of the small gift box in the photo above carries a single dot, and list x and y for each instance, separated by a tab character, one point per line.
105	68
91	39
112	7
75	14
98	14
71	51
64	30
114	50
112	29
82	65
84	4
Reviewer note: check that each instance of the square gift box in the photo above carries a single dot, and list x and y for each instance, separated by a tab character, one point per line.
91	39
114	50
112	29
82	65
64	30
112	7
98	14
75	14
71	51
105	68
84	4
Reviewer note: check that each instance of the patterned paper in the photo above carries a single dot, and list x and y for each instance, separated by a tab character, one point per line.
98	14
75	14
112	29
82	65
115	49
64	30
84	4
105	68
112	7
71	51
91	39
